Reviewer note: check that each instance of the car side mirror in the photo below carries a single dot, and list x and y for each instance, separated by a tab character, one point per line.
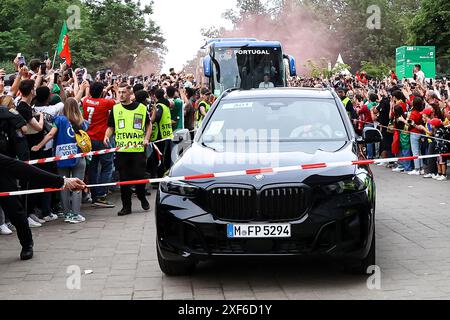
371	135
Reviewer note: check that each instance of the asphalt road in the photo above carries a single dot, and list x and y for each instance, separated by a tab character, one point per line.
117	259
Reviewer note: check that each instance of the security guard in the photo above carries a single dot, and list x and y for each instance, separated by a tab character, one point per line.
162	129
203	106
347	104
131	125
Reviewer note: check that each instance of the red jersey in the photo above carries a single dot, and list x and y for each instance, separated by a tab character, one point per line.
96	111
365	113
417	118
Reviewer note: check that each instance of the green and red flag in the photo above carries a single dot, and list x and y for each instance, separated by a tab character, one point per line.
63	49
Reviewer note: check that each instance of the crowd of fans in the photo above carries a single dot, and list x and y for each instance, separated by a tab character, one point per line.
41	109
40	105
413	116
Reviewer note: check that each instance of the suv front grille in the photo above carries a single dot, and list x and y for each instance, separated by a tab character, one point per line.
232	203
246	204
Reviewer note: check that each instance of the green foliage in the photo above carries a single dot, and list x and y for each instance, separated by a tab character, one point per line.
378	71
112	32
431	27
346	24
339	67
7	66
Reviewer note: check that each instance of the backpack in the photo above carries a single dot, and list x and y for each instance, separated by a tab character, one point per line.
83	140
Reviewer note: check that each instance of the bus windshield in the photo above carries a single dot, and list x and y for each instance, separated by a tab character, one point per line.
248	67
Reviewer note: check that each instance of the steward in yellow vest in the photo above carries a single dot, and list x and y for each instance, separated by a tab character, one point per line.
131	125
203	106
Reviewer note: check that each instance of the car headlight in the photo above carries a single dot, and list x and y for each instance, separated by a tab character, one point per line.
179	188
357	183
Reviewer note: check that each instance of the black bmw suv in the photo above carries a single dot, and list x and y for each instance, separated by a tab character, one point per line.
321	211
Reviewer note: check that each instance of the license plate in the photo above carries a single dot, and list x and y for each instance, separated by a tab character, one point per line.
275	230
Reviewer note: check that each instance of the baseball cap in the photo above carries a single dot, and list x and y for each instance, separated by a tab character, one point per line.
436	122
427	111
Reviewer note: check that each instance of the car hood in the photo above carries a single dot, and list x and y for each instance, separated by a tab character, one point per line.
199	159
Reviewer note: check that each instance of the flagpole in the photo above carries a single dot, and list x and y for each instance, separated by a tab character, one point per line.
54	58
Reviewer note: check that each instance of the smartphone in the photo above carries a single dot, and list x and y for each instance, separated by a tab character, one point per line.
45	58
80	74
21	61
70	72
55	77
43	67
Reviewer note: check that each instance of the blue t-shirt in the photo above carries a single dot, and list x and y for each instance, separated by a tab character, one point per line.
65	142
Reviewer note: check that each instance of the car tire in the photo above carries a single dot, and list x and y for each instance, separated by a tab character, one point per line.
175	268
361	266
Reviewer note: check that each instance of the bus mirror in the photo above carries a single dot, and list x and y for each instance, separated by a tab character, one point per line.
292	68
207	66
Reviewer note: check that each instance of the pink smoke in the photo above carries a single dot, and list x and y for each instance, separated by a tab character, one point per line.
300	34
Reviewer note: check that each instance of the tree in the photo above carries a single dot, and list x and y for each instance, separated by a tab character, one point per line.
431	27
378	71
112	32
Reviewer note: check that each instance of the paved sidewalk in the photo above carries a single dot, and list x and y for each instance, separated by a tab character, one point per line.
413	252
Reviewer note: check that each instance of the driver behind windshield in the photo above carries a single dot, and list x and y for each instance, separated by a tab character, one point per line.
266	83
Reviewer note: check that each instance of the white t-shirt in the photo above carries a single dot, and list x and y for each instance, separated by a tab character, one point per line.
266	85
420	76
53	111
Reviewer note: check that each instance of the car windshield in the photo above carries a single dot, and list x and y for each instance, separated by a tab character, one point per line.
281	119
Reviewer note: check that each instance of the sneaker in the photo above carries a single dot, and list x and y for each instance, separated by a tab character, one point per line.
442	178
436	176
80	217
58	210
51	217
10	226
73	218
414	173
102	203
33	224
398	169
4	230
380	164
37	219
422	172
86	198
428	175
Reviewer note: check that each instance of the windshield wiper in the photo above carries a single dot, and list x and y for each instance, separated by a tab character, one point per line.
208	146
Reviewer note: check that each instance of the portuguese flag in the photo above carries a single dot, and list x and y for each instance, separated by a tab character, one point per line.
63	49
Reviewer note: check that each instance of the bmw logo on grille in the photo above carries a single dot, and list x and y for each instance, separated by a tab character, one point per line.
259	177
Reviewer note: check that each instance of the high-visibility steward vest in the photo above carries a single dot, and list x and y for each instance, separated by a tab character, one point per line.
164	126
200	116
345	102
130	127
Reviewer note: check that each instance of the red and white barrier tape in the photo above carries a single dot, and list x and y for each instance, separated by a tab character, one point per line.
237	173
83	155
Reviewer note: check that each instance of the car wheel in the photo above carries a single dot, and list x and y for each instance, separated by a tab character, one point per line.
361	266
175	268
